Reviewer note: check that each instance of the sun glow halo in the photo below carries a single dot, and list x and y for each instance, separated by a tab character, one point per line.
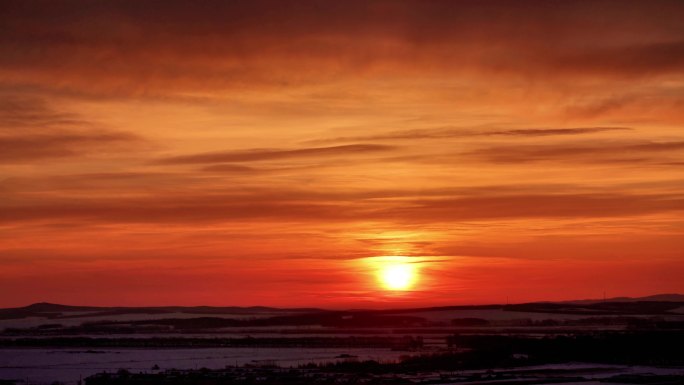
397	275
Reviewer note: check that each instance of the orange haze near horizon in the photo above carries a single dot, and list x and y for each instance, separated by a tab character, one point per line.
273	152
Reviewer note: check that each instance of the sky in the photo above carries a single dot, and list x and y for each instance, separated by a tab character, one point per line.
280	153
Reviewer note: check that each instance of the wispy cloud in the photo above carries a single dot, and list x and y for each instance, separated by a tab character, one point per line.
214	47
21	112
276	154
578	152
445	133
295	206
29	148
33	130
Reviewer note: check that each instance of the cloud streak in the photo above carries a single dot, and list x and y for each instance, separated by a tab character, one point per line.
219	45
31	129
29	148
578	152
256	155
287	206
446	133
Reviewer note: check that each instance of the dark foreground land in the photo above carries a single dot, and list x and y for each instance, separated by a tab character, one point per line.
311	376
480	359
584	342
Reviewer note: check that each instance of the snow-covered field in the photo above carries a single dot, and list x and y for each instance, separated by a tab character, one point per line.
44	366
68	365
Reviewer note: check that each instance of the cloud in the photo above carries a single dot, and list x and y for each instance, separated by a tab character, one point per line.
21	112
276	154
31	129
215	45
556	131
638	59
231	169
444	133
578	152
287	206
96	184
29	148
538	206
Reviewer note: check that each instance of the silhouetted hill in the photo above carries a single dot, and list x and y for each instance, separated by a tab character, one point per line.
51	311
599	308
41	307
656	298
655	304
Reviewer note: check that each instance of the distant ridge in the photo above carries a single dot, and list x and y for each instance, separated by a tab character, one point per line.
47	308
650	298
53	307
53	310
208	317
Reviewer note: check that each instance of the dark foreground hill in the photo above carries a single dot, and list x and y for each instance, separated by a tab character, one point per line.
665	304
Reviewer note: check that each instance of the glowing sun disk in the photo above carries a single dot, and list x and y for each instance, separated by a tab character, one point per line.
397	276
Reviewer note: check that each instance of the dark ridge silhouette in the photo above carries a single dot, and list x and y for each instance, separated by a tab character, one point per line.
53	307
601	308
656	297
655	304
51	310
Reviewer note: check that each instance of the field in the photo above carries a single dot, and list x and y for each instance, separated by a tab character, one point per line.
580	342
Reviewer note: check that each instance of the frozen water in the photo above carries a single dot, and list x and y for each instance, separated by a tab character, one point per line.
68	365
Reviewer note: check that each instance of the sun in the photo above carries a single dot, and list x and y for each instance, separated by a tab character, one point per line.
397	275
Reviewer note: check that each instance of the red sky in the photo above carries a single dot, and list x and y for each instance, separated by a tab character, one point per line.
267	152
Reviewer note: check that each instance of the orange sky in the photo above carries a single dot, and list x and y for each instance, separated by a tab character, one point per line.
264	151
